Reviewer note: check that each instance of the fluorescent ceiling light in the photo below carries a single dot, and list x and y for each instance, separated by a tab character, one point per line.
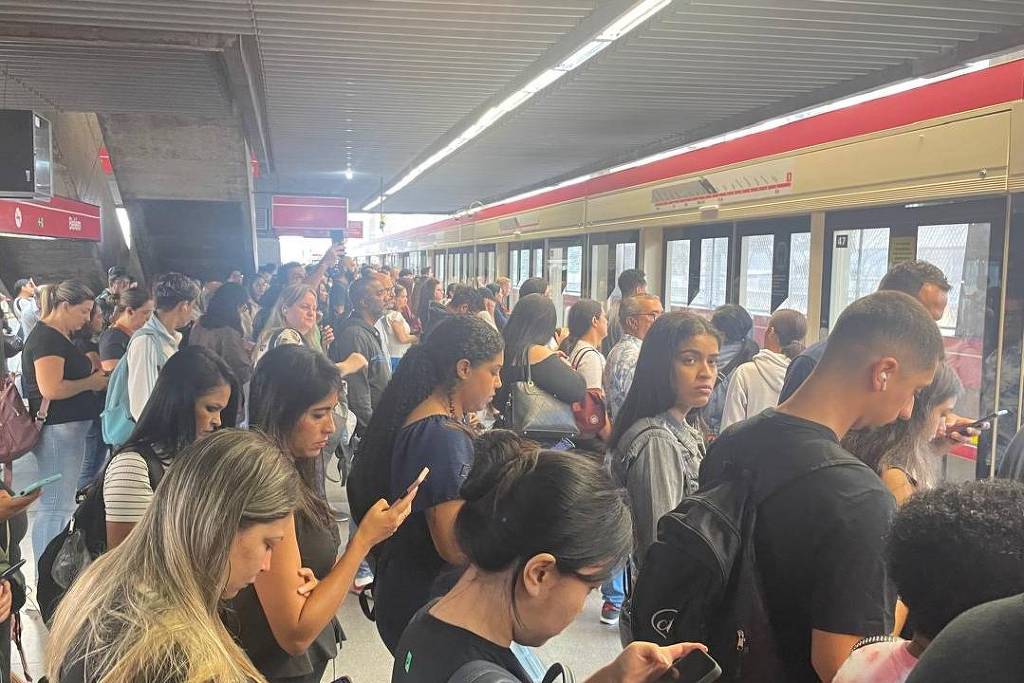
349	174
623	24
125	223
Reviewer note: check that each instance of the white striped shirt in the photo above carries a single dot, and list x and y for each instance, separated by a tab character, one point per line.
126	489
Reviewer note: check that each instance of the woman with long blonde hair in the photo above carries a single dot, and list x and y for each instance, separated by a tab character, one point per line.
148	609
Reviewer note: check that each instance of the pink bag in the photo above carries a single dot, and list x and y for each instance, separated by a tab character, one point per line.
19	432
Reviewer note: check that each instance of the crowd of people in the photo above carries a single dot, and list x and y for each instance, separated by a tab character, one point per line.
498	468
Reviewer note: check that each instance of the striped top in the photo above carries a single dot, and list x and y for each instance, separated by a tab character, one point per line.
126	489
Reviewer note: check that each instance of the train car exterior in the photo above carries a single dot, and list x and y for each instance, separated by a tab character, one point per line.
807	215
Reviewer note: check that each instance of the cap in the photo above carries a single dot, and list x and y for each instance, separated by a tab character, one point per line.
116	272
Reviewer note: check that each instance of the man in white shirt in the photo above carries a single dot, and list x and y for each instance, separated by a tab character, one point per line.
157	340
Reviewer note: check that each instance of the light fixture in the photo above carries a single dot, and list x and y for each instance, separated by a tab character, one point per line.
623	24
349	174
125	224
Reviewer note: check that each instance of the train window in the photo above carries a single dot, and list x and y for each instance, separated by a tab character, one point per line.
600	272
538	262
574	271
860	258
756	273
678	271
625	258
799	272
513	268
714	269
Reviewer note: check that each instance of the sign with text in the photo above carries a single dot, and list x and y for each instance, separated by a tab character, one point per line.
59	217
355	230
768	179
308	216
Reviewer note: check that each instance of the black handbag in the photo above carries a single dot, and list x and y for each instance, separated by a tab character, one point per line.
534	413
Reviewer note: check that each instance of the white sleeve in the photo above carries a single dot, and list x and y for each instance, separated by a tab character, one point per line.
142	373
126	489
591	366
735	409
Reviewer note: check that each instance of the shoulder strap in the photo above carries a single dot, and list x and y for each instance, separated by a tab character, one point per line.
628	462
482	671
154	466
578	357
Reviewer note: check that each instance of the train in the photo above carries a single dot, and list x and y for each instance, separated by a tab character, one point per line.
807	213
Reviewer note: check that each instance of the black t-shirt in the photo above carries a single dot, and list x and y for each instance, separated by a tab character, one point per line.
982	644
431	651
46	341
819	540
113	344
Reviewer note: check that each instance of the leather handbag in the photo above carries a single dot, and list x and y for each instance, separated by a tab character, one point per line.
19	431
534	413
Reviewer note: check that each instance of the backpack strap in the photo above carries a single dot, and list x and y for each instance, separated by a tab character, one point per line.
154	466
578	358
482	671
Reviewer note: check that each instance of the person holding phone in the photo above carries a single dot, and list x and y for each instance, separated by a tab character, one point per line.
541	530
149	609
13	527
195	394
55	370
290	636
423	421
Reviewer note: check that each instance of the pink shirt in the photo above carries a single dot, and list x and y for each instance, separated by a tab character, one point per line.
878	663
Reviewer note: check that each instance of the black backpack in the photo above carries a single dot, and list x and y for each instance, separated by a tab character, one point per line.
482	671
699	581
88	526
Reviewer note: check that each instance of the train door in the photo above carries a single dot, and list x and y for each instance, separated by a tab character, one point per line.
485	265
440	261
697	267
525	260
610	254
964	239
773	268
565	273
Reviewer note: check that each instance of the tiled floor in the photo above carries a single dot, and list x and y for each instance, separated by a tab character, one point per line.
585	646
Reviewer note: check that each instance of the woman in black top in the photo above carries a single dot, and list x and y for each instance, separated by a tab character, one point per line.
527	333
134	306
55	370
541	530
290	636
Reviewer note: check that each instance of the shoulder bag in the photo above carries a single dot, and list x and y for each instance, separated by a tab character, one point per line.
536	414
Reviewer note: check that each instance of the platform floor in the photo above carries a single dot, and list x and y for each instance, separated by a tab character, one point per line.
585	646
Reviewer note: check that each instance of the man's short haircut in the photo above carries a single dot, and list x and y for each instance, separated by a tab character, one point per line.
465	295
405	272
487	293
533	285
956	547
630	279
910	276
885	324
359	290
633	305
172	289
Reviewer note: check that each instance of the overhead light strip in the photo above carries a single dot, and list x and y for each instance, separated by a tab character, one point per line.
623	24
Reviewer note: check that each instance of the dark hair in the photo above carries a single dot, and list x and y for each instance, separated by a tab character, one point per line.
131	298
463	295
169	418
790	327
405	272
174	288
70	292
425	295
531	323
956	547
903	444
733	321
287	381
486	293
630	279
408	284
521	502
580	320
359	291
651	392
494	288
886	322
533	285
424	367
223	308
910	276
338	297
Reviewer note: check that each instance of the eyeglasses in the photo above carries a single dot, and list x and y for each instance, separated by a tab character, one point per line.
654	314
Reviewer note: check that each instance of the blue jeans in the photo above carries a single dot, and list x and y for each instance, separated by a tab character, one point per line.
614	589
60	450
95	455
364	571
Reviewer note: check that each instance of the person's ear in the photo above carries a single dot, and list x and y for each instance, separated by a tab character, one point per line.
463	368
539	574
882	372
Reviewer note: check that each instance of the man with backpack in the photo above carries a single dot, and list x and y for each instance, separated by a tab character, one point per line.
777	560
156	341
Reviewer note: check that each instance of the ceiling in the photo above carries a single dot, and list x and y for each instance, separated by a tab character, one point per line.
383	83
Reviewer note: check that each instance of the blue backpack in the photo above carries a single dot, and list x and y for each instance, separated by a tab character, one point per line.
117	420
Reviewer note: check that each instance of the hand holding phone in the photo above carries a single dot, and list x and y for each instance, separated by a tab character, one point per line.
36	485
695	667
982	424
416	484
12	570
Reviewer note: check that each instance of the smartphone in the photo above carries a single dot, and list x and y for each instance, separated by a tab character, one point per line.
564	444
12	570
419	480
696	667
36	485
338	237
980	423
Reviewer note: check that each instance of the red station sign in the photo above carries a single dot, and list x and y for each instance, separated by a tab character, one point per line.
60	217
308	216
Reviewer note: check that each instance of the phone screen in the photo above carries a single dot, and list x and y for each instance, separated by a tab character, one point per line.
697	667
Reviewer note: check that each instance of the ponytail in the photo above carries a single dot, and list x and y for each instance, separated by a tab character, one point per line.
521	501
790	327
70	292
580	320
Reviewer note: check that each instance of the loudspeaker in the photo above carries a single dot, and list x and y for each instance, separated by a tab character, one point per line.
26	155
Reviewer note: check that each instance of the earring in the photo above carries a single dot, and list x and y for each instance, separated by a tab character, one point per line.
885	380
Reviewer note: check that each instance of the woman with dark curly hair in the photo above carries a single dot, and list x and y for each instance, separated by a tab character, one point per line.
423	421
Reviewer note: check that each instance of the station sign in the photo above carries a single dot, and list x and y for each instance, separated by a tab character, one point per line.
59	217
759	181
308	216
